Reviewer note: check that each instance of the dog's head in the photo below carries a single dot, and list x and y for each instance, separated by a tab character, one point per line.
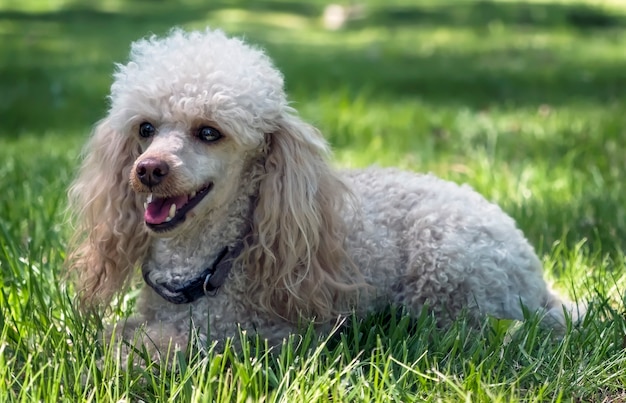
198	107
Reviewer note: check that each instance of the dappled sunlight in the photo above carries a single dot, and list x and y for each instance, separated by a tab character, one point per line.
237	17
512	55
522	100
458	90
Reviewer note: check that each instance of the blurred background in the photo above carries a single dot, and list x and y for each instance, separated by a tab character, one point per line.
524	100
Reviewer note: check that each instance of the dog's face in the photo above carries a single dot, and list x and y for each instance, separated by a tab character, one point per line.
199	107
185	170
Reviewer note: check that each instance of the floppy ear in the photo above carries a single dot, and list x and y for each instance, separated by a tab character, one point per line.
297	262
109	236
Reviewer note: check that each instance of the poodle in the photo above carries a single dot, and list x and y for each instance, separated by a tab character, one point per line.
204	176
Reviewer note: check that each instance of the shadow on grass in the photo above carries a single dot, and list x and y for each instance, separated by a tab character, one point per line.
57	66
478	14
59	63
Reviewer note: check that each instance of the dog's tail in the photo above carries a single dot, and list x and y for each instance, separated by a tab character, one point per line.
560	309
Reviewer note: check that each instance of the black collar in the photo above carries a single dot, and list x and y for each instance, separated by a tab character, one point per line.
206	283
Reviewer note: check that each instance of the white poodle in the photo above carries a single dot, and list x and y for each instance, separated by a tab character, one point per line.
205	177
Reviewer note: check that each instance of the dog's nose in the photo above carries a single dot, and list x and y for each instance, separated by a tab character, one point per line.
152	171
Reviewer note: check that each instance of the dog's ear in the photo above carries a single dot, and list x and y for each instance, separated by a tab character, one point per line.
298	263
109	237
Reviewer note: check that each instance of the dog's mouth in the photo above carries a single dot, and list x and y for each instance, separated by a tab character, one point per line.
165	213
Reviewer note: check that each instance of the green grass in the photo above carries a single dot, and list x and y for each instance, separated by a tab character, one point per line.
522	100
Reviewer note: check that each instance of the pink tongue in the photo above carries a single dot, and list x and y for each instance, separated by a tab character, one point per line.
159	208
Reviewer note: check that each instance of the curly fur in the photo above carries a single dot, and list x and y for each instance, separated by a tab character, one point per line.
318	243
110	238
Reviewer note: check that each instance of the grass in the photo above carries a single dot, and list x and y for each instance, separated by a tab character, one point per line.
522	100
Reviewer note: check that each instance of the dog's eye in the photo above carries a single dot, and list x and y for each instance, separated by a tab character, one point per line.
209	134
146	130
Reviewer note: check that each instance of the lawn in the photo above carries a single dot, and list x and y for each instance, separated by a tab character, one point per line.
525	101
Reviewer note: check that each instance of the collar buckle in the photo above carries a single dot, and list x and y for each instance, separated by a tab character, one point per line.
209	289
